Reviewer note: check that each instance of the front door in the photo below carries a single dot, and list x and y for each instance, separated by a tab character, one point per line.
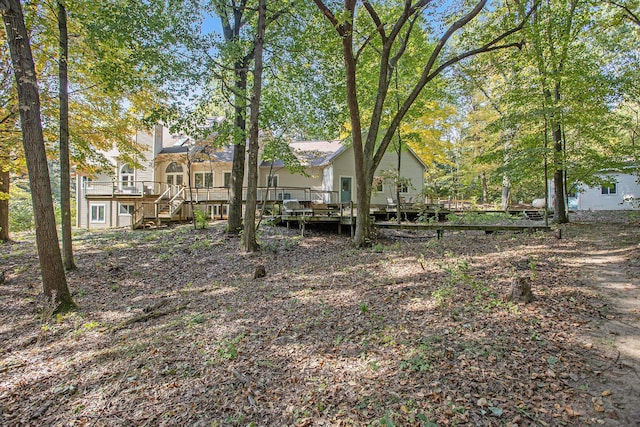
345	189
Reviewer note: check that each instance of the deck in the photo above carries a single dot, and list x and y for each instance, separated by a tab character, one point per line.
441	228
299	206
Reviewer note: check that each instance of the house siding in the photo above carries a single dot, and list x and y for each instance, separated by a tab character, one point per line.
627	186
411	169
319	178
146	172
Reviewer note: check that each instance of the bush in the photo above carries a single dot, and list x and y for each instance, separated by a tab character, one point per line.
201	218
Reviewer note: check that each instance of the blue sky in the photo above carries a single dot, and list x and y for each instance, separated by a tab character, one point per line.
211	24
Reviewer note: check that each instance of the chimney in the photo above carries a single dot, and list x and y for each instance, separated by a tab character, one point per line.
158	131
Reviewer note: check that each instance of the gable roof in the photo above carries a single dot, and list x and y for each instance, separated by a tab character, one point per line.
311	153
218	154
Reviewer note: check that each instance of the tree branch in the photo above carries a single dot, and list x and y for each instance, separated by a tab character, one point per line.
428	74
627	12
376	20
330	16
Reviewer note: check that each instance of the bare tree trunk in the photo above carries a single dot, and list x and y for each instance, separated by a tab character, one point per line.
559	211
232	20
483	180
250	244
53	276
65	175
234	220
4	204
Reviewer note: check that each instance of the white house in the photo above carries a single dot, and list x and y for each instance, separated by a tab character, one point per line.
622	194
174	172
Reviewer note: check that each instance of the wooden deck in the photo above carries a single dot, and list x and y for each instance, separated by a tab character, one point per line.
441	228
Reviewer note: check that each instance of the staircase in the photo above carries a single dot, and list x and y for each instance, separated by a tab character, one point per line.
534	215
167	207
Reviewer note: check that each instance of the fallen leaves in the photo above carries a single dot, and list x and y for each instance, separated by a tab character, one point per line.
330	336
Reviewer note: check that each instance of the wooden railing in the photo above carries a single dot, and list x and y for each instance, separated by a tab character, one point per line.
198	195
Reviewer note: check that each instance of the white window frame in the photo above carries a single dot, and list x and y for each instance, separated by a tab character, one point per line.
172	177
127	179
271	179
94	210
128	209
214	210
224	177
610	189
204	179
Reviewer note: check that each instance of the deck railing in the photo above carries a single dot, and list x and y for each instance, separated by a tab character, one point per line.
199	195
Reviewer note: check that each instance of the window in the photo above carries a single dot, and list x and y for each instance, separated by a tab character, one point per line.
126	176
227	179
378	187
126	209
403	187
218	211
272	181
87	184
203	179
609	189
174	174
97	213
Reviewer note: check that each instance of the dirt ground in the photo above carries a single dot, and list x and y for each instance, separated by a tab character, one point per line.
173	329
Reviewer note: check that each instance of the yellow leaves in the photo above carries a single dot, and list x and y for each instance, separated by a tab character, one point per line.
425	134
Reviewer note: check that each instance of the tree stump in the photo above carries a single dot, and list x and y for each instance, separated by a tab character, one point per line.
260	272
521	291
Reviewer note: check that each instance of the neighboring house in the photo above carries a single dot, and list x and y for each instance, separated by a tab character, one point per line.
174	172
622	194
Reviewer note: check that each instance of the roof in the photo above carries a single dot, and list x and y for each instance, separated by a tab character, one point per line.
174	149
220	154
312	153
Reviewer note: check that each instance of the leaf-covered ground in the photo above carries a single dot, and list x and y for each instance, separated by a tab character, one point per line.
173	329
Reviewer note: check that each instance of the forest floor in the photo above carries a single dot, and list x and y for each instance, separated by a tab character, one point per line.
173	329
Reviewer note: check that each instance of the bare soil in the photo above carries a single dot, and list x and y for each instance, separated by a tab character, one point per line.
173	329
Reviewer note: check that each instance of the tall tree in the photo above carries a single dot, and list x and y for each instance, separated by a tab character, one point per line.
369	141
234	18
52	270
4	200
10	158
65	170
250	244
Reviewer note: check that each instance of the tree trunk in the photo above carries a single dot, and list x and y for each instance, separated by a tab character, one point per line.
559	211
4	204
65	175
250	244
483	180
53	276
363	191
399	182
234	221
231	19
506	192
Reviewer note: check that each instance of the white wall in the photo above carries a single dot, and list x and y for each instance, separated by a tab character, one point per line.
626	187
411	168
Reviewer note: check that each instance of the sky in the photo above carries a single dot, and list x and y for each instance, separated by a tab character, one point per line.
211	24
